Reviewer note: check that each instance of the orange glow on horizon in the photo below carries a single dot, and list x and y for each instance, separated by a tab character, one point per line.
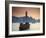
20	12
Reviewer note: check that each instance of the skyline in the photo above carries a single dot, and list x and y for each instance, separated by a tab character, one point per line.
20	12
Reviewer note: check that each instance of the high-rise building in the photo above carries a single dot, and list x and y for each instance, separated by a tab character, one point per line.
26	13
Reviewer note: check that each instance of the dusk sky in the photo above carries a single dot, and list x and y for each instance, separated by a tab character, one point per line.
20	12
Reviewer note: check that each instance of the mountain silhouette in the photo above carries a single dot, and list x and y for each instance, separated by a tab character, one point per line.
24	19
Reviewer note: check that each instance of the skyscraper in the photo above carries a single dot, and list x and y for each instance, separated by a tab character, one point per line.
26	13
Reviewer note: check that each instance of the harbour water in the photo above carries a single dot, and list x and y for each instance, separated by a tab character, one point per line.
33	26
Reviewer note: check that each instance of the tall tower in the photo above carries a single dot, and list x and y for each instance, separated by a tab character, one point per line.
26	17
26	14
